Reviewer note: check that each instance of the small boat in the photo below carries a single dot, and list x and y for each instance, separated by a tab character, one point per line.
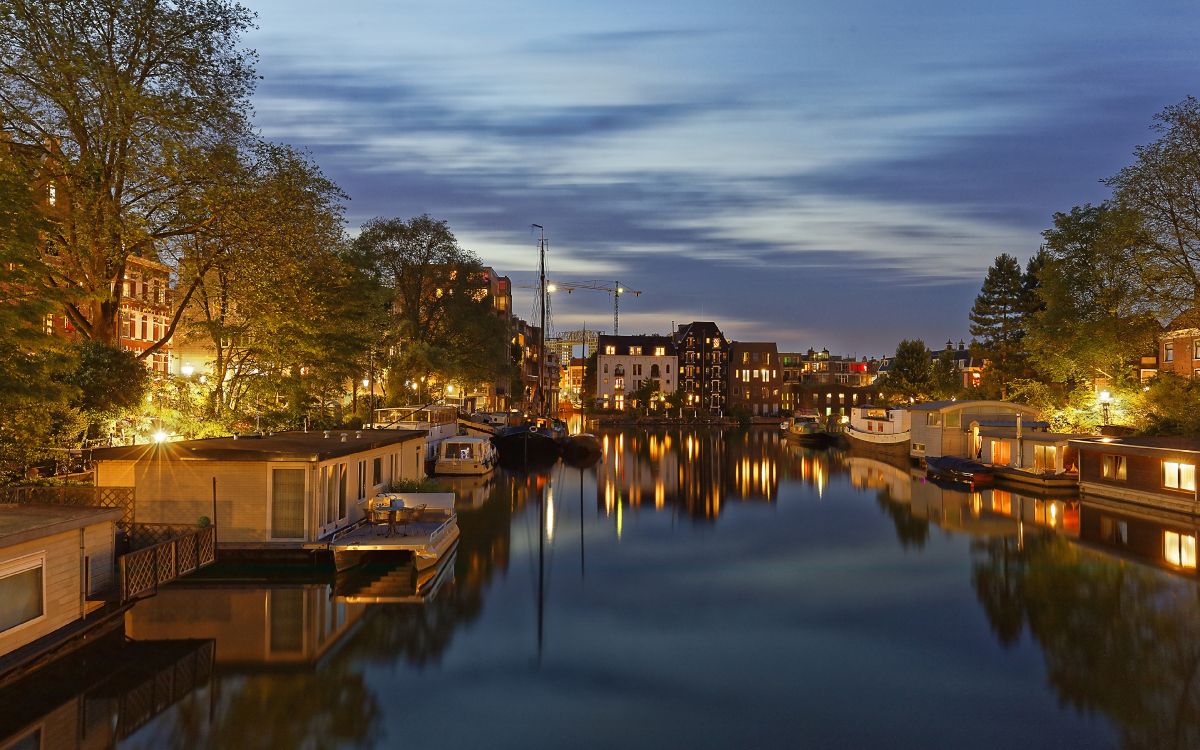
423	523
879	429
465	455
526	446
582	450
962	470
806	428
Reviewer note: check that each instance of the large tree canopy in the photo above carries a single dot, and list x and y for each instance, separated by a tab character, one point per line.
997	321
126	106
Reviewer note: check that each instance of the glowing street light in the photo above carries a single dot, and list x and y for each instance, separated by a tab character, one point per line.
160	437
1105	401
187	370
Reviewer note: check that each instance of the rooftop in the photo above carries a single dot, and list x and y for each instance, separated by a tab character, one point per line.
280	446
1190	444
23	523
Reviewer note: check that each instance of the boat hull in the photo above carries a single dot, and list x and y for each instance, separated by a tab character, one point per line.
890	445
959	470
523	448
582	450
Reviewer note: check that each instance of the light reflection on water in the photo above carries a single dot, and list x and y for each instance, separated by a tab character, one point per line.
697	588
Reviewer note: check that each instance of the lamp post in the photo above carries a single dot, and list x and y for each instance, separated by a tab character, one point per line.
1105	401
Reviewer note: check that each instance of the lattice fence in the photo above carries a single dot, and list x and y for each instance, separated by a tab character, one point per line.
173	551
79	496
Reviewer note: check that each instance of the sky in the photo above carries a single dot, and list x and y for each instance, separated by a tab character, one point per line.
818	174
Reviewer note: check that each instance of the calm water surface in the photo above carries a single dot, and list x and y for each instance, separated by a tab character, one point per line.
695	589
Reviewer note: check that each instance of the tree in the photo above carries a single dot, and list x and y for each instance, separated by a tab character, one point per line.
1162	187
643	395
133	110
909	376
442	322
997	321
36	414
945	382
1095	317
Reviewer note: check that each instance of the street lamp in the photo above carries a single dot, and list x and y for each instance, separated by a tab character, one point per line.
1105	401
187	370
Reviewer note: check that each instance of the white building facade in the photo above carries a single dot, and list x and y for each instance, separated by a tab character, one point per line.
625	363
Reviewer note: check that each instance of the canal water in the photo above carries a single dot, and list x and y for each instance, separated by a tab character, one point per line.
695	589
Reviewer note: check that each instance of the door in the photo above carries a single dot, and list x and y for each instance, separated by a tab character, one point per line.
287	503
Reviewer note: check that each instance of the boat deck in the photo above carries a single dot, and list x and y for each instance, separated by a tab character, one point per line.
370	537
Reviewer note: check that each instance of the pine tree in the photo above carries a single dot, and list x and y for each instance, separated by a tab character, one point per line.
997	321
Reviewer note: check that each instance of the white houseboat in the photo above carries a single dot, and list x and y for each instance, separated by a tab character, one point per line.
879	429
437	421
465	455
423	523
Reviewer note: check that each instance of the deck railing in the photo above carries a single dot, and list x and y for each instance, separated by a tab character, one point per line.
173	552
75	495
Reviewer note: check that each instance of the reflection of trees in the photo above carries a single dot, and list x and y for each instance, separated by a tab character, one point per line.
912	532
1120	639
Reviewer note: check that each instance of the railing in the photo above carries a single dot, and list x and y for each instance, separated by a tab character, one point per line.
174	551
78	496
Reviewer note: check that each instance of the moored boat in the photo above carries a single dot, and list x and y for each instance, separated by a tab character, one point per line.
582	450
439	422
526	446
423	523
806	428
879	429
961	470
465	455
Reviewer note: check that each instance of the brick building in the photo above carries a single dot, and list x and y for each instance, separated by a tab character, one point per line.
703	355
754	379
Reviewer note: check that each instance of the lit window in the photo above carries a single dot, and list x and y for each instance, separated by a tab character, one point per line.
22	590
635	351
610	349
660	351
1113	467
1169	351
1195	348
1179	549
1179	476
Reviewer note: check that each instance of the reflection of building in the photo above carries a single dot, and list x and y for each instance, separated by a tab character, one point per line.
625	363
754	378
278	625
1162	538
703	355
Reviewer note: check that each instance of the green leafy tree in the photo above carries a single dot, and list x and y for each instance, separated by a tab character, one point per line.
642	397
997	322
132	111
1095	318
36	412
945	382
1162	187
909	375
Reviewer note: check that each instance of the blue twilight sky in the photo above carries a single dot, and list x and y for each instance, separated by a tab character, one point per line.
817	173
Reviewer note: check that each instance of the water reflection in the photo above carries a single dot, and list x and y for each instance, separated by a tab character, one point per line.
853	572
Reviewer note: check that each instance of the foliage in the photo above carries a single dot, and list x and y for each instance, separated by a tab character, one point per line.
1094	315
1171	406
417	485
642	397
36	415
909	375
945	382
1161	187
133	111
110	380
997	322
442	322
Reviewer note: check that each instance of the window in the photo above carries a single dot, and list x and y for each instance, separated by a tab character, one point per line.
287	503
654	371
1169	351
635	351
610	349
377	471
954	419
637	369
1178	476
1001	452
668	369
605	368
918	447
1179	549
746	375
660	351
1045	458
619	384
933	419
342	480
1113	467
22	590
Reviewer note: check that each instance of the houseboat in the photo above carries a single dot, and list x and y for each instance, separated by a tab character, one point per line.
953	428
422	523
959	470
1152	472
57	571
438	422
1032	458
527	446
465	455
806	428
879	429
280	495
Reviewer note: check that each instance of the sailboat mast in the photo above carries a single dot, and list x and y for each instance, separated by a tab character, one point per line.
541	388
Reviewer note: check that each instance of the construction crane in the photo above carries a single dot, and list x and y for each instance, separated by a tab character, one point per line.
614	288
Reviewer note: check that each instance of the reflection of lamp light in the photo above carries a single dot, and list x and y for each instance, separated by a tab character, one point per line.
160	437
1105	399
187	370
